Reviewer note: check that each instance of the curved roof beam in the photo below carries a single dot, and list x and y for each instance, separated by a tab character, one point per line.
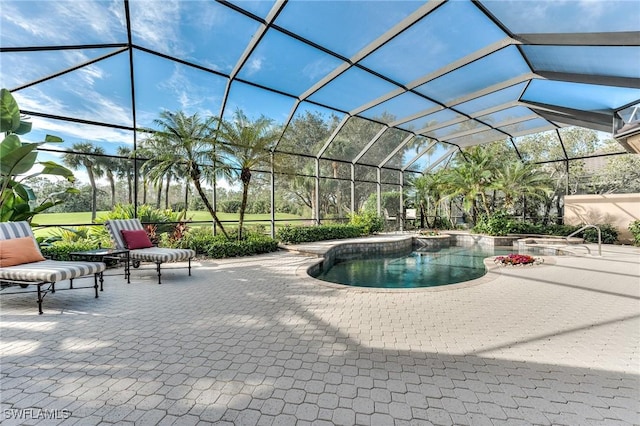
491	89
556	114
601	80
621	38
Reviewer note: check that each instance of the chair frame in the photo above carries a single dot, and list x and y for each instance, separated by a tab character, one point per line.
9	230
114	227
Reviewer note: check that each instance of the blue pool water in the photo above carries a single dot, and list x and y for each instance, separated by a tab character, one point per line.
420	268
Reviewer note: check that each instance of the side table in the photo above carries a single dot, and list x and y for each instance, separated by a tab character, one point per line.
102	254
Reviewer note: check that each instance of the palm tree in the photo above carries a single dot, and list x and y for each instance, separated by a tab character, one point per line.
470	179
188	143
246	145
515	179
88	156
109	166
124	170
429	191
157	172
154	171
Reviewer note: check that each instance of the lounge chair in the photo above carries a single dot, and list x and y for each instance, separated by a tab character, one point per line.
22	263
141	250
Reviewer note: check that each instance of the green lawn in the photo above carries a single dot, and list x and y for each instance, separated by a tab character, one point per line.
85	217
64	218
78	218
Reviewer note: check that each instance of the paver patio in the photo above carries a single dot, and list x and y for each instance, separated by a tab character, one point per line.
251	341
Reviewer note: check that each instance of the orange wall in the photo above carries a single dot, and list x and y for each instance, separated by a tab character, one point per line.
617	209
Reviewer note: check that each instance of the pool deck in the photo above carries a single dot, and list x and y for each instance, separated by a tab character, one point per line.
254	341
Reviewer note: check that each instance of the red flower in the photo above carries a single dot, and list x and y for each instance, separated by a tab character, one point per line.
515	259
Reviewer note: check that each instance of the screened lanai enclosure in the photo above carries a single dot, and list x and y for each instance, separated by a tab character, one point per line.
358	97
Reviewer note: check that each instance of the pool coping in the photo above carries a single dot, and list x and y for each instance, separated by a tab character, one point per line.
493	270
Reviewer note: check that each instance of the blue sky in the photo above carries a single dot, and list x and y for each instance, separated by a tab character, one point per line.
214	36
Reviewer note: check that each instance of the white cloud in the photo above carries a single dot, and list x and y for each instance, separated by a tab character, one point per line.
63	22
157	24
317	69
254	66
190	96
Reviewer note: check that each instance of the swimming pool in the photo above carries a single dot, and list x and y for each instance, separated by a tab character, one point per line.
419	268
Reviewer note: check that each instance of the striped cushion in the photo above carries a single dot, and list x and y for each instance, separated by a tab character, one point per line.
50	271
157	254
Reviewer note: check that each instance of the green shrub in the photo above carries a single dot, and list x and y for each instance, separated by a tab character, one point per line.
254	244
634	227
608	233
202	240
60	250
96	235
441	222
196	238
368	220
500	224
305	234
497	224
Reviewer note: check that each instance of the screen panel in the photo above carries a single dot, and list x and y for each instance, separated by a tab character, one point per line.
293	73
309	129
174	87
205	33
350	140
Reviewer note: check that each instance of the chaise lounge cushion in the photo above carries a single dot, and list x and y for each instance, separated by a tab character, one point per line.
17	251
50	270
158	254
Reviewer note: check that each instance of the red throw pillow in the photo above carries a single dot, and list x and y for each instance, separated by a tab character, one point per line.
17	251
136	239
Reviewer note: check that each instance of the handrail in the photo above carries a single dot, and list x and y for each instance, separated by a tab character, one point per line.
582	229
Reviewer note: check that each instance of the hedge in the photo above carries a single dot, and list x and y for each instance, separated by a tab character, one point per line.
60	250
305	234
205	243
501	224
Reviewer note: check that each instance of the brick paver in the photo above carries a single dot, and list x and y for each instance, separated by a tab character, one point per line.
252	341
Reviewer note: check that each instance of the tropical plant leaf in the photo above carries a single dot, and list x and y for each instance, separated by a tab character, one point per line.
9	112
19	161
23	128
53	139
22	211
9	143
52	168
22	191
46	205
